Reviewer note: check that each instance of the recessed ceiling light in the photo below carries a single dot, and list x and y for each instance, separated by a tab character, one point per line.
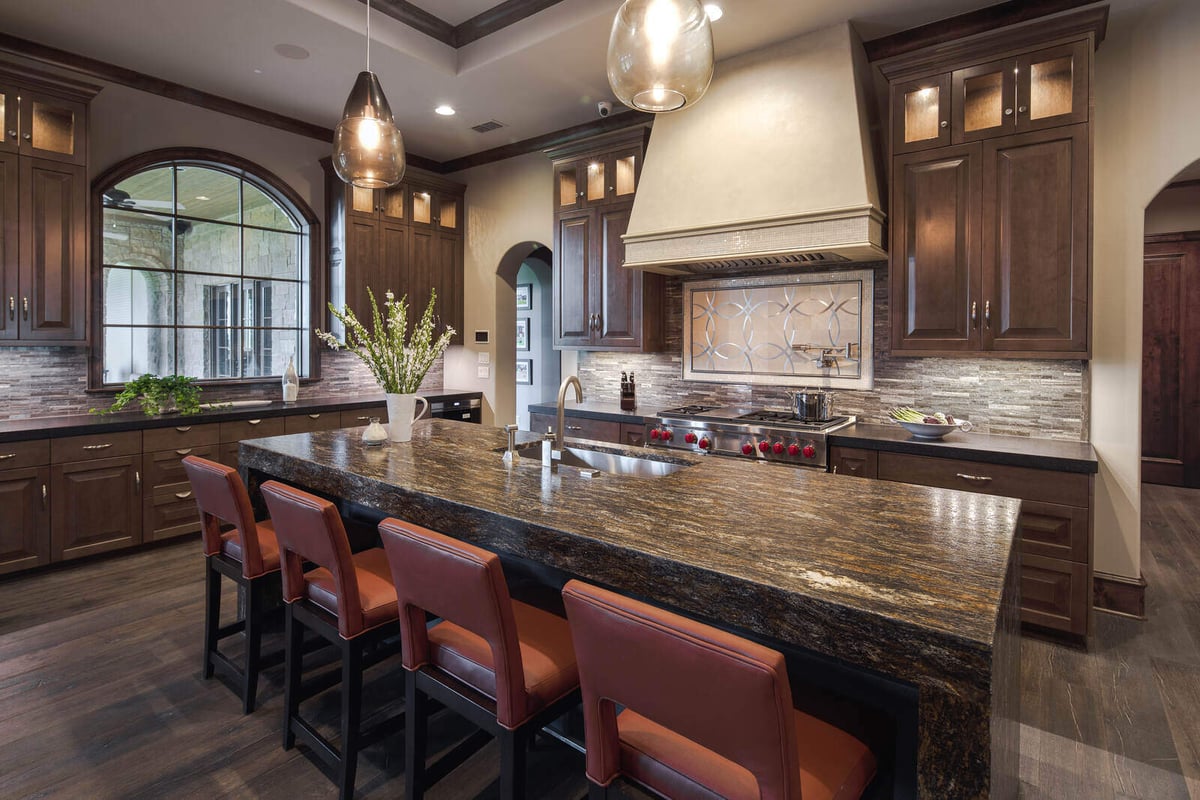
201	197
257	71
714	11
444	110
292	51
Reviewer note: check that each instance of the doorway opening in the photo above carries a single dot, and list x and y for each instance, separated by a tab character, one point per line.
527	367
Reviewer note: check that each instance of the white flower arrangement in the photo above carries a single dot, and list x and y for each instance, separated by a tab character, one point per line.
398	361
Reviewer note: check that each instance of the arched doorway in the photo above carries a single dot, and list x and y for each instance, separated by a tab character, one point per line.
526	264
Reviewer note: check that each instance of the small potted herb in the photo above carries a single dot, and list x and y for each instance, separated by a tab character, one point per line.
158	395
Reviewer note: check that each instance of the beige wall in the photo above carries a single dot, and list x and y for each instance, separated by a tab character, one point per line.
1174	211
1147	115
509	203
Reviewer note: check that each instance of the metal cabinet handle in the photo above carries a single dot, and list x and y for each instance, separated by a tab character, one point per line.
7	456
45	495
574	427
599	322
183	495
987	313
361	419
254	421
835	466
183	428
974	314
974	478
137	481
25	307
12	307
184	452
104	446
314	416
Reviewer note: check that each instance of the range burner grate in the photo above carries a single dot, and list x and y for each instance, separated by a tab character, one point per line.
686	411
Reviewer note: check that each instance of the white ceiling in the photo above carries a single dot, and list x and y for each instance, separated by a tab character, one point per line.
540	75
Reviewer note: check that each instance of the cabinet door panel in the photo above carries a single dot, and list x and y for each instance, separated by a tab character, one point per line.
363	265
921	114
1055	594
97	506
164	469
449	283
935	249
854	461
395	242
169	514
24	525
633	434
420	269
9	116
53	278
1052	87
573	255
595	429
541	423
1055	531
361	202
53	128
620	289
1035	249
984	101
10	291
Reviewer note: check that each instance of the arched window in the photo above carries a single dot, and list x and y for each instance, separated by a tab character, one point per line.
205	269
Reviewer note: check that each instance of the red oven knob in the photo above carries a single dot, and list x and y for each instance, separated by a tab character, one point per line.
654	434
747	449
666	434
689	437
778	448
705	443
810	451
793	449
764	446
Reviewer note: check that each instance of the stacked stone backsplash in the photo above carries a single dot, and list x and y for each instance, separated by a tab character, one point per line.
1041	398
51	381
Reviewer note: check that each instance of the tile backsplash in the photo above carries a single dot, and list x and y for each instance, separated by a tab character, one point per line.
50	381
1043	398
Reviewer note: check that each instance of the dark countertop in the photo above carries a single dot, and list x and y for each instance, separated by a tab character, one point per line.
907	581
608	412
1017	451
81	424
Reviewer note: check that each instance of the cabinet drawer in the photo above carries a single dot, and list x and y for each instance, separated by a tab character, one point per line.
1043	485
251	429
169	514
227	454
18	455
97	445
1055	594
540	423
307	423
854	461
1054	531
180	436
165	468
359	418
599	430
632	434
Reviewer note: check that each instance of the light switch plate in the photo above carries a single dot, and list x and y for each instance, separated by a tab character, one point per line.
485	358
483	371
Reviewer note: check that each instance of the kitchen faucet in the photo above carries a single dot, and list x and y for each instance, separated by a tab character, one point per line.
562	397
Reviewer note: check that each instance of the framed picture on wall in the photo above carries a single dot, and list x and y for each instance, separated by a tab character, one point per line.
523	334
524	297
525	371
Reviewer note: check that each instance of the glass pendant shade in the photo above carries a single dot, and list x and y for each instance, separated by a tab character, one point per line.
660	54
368	150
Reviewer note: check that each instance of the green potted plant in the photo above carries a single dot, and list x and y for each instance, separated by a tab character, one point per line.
158	395
399	359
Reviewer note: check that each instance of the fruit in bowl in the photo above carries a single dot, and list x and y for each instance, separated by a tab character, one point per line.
924	425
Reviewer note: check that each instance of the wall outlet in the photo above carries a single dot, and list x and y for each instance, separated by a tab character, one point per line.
485	358
483	372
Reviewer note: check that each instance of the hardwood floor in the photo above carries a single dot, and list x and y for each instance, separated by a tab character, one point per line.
100	694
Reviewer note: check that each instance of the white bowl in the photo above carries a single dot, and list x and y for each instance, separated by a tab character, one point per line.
926	430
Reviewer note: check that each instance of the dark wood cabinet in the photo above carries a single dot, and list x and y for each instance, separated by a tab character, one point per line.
53	274
168	507
25	523
631	434
991	193
10	265
97	506
407	239
598	303
854	462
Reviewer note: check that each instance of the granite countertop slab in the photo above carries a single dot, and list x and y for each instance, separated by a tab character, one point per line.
81	424
588	409
1017	451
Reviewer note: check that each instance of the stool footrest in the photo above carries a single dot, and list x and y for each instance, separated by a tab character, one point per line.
456	756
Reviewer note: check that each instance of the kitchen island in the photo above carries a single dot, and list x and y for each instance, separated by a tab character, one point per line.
909	587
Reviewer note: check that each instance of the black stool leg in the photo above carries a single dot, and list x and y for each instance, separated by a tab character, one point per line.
254	602
351	715
513	745
598	792
212	614
294	654
415	727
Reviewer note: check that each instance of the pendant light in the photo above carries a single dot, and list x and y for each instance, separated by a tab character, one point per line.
660	54
368	150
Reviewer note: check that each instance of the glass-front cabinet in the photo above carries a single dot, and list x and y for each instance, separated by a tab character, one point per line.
387	204
437	210
602	179
39	124
922	116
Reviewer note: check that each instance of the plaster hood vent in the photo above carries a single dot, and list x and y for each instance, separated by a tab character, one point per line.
773	167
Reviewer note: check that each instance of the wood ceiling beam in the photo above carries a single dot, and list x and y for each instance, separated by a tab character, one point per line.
497	18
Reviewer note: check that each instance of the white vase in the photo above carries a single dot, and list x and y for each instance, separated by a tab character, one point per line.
402	412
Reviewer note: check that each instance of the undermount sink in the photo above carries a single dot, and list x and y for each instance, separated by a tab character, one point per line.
613	463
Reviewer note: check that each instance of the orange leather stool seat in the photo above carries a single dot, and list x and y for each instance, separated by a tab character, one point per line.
506	666
349	600
247	554
707	715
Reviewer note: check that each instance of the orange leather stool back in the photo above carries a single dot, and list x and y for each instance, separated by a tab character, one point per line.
222	498
724	693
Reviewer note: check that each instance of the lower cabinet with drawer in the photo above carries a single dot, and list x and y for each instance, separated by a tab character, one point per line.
168	508
25	523
598	430
97	506
1054	529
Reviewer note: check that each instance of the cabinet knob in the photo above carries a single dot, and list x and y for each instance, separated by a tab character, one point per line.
1008	112
28	137
945	124
12	134
581	194
1022	109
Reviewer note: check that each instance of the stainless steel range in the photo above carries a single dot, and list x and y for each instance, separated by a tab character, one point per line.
768	434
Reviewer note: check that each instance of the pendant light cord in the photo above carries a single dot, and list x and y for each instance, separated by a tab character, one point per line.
368	35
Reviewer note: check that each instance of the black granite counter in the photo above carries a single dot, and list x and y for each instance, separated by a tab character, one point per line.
81	424
1016	451
914	583
607	412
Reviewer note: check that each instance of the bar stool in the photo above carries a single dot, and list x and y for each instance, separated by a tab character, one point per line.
248	555
349	601
506	666
707	714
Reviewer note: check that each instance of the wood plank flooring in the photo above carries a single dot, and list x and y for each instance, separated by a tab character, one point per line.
100	694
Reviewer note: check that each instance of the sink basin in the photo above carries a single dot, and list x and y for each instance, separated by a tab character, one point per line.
612	463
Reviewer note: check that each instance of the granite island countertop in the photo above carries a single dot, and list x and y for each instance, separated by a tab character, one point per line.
908	581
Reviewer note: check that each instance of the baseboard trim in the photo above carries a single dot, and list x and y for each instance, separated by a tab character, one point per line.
1116	594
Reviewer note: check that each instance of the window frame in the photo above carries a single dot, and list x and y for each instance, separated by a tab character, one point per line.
245	170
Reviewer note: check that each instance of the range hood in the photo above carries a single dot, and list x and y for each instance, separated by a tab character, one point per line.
773	167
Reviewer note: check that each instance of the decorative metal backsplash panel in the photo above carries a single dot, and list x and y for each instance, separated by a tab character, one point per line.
790	330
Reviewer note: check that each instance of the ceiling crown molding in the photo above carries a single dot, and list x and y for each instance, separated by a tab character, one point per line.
496	18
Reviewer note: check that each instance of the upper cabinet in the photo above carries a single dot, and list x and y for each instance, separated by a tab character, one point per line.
991	193
599	304
43	208
407	239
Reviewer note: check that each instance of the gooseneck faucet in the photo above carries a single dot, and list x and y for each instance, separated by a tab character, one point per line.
562	398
